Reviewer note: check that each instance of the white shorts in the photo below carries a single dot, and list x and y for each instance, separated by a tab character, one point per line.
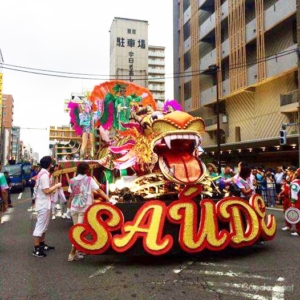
42	223
77	217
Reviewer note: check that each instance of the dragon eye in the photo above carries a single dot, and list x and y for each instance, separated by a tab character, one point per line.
156	115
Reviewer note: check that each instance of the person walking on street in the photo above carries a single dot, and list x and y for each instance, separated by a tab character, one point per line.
3	193
42	206
81	190
8	180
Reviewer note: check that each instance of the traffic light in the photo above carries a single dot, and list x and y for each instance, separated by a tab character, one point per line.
282	134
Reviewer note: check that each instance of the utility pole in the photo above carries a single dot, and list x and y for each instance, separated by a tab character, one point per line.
2	136
298	92
214	69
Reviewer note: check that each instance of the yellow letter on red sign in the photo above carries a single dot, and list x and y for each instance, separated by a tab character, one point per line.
191	239
147	224
267	223
243	221
97	228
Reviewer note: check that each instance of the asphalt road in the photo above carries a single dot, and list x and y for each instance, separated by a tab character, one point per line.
269	271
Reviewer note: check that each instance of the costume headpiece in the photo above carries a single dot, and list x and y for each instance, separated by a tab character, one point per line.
173	104
87	104
118	87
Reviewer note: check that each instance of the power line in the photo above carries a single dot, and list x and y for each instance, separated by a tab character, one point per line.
32	128
147	77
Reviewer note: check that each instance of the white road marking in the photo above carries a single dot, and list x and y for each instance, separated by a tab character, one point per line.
229	274
278	290
182	267
250	291
20	196
240	294
102	271
213	264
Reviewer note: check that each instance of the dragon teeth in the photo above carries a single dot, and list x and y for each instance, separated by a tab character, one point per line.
168	141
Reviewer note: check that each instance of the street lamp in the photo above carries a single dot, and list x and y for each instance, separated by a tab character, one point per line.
213	70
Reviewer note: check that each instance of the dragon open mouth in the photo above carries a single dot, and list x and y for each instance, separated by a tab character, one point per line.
177	159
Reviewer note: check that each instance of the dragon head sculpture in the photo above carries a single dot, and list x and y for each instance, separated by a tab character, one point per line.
177	135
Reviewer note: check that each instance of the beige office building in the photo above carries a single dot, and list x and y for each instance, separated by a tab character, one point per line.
254	45
129	50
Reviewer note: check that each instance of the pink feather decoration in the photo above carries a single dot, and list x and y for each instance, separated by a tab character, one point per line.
74	119
109	122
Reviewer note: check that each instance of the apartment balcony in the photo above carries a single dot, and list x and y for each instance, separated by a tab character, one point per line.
158	79
207	26
251	31
289	102
225	48
211	123
208	96
224	10
252	74
282	64
187	44
152	62
156	89
187	75
188	105
226	87
208	59
187	15
156	53
156	71
201	2
278	12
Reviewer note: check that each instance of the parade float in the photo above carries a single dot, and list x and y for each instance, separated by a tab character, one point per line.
146	158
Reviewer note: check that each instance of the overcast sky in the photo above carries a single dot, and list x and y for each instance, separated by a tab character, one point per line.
68	36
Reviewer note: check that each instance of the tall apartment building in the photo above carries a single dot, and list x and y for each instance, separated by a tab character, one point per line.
16	149
132	59
253	47
156	72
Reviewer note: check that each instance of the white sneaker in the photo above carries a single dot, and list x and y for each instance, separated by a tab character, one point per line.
68	214
294	234
53	217
286	228
64	216
75	256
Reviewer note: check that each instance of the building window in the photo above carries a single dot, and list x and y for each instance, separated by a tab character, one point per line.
186	4
187	60
133	31
128	30
186	30
187	90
